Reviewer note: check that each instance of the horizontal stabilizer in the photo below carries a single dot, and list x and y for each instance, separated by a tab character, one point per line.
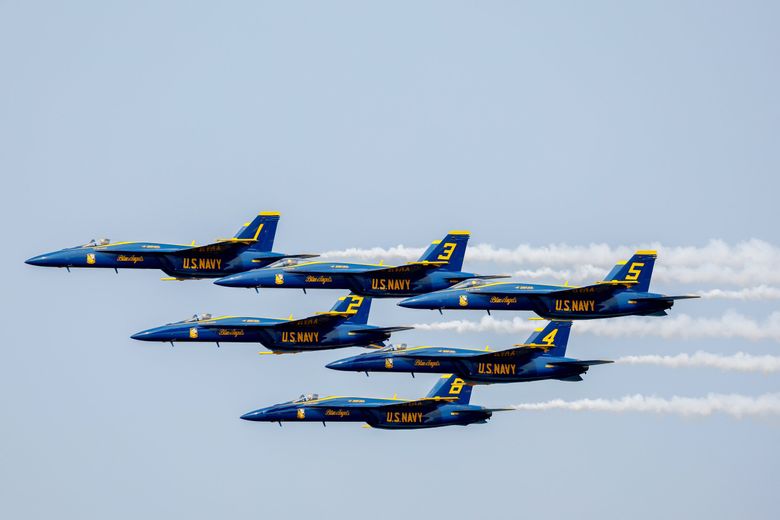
666	298
579	362
464	277
373	330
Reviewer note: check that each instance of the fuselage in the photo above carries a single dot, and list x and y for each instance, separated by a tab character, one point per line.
269	332
469	364
542	300
362	279
394	414
170	258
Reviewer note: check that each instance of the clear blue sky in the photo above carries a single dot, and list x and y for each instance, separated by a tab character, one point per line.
368	125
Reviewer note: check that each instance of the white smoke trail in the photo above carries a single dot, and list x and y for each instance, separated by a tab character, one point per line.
681	326
732	404
740	361
750	262
760	292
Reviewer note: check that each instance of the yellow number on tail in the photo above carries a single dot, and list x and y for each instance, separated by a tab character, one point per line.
550	338
457	386
634	271
357	301
449	248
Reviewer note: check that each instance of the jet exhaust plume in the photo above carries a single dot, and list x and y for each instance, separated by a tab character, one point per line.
740	361
734	405
731	324
717	262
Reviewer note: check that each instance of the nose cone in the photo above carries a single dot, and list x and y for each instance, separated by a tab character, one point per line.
155	334
257	415
46	260
358	363
422	301
248	279
342	364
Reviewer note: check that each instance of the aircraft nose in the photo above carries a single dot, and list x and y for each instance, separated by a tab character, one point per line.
341	364
422	301
256	415
47	260
155	334
234	280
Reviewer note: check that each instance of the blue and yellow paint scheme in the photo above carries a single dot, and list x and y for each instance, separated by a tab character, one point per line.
345	325
542	356
447	404
250	248
624	292
438	268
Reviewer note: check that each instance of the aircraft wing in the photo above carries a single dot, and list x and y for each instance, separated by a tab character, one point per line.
318	321
424	402
222	247
601	289
522	353
411	269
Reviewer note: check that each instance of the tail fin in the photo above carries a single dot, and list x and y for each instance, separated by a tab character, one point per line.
358	306
451	250
262	230
638	269
450	385
555	335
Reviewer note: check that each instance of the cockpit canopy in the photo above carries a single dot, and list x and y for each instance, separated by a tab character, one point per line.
393	348
199	317
307	397
467	284
284	262
100	242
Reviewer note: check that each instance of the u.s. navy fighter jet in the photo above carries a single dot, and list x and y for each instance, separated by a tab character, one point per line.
542	356
249	249
345	325
624	292
439	267
447	404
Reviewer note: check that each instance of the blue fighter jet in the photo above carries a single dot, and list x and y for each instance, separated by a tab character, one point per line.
249	249
542	356
345	325
624	292
447	404
439	267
